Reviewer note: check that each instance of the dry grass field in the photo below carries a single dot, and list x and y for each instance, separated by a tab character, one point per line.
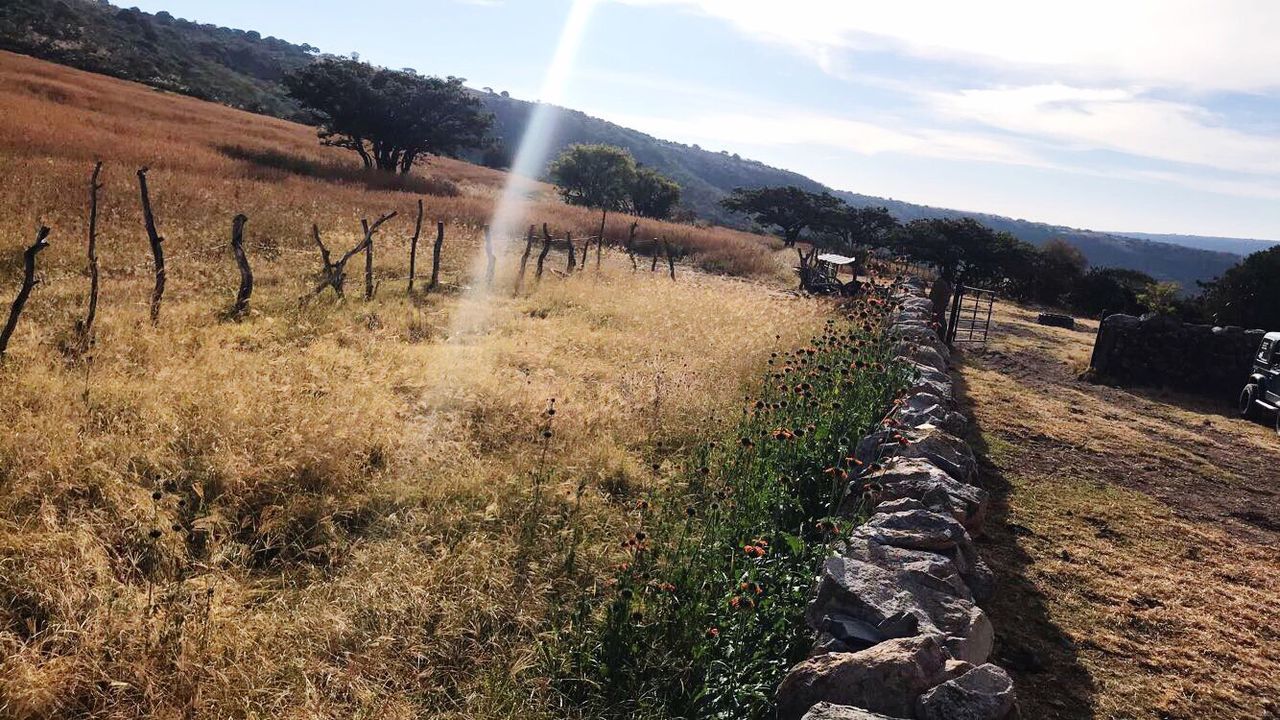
1135	537
312	512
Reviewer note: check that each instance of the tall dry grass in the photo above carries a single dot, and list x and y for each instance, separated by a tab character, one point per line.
323	510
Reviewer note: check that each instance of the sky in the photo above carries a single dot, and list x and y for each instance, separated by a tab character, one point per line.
1120	115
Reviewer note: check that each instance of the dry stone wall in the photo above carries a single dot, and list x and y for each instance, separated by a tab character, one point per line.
899	632
1159	351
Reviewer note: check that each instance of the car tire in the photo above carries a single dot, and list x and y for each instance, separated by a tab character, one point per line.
1248	398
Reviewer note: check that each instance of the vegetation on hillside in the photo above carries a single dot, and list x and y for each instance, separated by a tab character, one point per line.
389	118
244	70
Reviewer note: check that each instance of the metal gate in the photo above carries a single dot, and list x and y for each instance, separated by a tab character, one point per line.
970	315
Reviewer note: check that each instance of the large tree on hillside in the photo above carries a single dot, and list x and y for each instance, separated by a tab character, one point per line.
653	194
789	209
965	250
846	226
597	176
1248	293
390	118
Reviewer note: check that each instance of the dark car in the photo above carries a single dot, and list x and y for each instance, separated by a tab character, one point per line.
1262	391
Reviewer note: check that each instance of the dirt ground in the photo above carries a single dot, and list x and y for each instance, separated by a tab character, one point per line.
1134	534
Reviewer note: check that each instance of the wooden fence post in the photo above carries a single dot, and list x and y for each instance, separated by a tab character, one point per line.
490	258
413	246
631	245
671	260
524	258
568	240
242	261
84	327
435	256
368	259
542	256
28	282
157	249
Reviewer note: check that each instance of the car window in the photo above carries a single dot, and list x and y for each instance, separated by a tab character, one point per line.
1264	352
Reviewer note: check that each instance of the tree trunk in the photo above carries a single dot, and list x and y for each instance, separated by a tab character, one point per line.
242	261
413	246
157	248
28	282
435	256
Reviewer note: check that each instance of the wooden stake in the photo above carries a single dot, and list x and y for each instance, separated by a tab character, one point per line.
524	259
157	248
568	240
631	245
242	261
671	260
435	256
546	248
491	259
84	328
413	246
29	281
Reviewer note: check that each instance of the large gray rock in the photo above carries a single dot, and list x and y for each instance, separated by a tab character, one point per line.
983	693
885	679
875	583
936	532
827	711
923	408
923	481
926	442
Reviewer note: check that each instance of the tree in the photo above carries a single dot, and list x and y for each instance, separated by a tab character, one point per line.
653	194
1248	293
963	249
1113	290
790	209
1160	298
597	176
848	227
390	118
1058	267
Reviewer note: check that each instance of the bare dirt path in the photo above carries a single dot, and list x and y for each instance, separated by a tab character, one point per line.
1136	535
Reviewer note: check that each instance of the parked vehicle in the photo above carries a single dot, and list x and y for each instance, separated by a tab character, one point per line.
1261	392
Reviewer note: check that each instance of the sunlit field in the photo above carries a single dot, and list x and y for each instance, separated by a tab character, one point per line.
324	509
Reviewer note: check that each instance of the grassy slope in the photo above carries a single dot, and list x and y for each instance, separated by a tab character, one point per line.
344	477
1134	537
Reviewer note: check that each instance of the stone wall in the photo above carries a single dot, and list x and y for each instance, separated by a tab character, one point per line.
1162	352
899	632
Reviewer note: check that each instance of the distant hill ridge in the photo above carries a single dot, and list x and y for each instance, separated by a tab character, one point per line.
243	69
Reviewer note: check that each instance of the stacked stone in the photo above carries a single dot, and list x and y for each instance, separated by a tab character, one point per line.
899	631
1158	351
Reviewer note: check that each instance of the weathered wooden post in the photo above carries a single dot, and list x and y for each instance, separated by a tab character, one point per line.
157	249
671	259
368	259
435	256
573	263
242	261
653	266
491	259
631	245
524	258
84	327
28	282
413	246
542	256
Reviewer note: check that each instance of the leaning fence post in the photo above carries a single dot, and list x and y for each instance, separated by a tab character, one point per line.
368	260
524	258
491	259
242	261
157	249
435	256
542	256
29	281
413	246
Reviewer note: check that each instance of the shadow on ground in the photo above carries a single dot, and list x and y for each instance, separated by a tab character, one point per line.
267	164
1051	683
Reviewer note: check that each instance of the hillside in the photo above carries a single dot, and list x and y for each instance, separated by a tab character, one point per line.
242	69
1236	246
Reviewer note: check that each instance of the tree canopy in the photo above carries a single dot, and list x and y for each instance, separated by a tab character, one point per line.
653	194
789	208
390	118
1248	294
845	227
598	176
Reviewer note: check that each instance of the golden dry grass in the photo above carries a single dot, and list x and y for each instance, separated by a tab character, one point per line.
1137	563
347	480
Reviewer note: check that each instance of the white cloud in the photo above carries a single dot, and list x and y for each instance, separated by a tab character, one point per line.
1186	44
1116	120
